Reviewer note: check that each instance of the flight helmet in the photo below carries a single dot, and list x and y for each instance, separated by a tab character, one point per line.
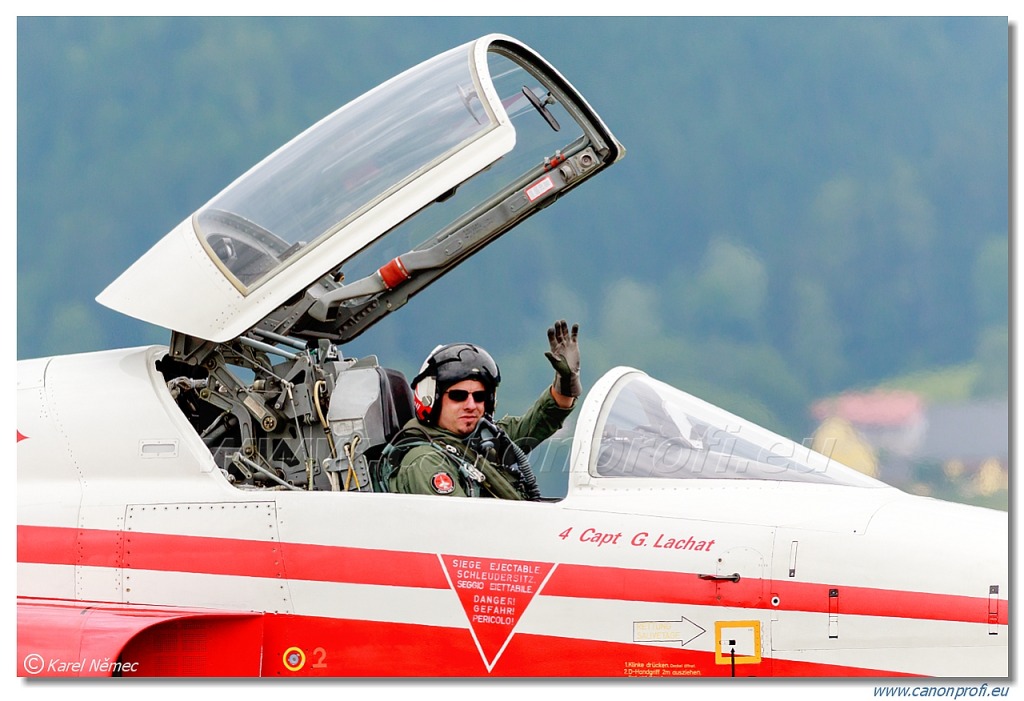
446	366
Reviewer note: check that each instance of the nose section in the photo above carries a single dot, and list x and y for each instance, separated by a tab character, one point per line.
948	568
952	547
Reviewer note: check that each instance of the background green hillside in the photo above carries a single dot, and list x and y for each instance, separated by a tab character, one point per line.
806	204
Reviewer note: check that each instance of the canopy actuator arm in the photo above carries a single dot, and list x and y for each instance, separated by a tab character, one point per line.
537	190
387	277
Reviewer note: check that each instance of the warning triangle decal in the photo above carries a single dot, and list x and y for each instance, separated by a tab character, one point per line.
494	593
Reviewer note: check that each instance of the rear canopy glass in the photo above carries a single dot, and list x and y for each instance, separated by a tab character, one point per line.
649	429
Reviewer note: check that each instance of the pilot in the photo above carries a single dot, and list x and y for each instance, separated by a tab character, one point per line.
453	447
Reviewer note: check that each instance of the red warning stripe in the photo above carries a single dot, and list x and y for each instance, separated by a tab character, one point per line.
585	581
229	556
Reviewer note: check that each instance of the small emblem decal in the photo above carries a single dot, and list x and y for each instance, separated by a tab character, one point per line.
294	659
442	483
539	188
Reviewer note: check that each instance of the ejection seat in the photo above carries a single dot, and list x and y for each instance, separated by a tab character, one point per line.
369	405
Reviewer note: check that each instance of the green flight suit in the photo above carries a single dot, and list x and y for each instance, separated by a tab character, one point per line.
432	464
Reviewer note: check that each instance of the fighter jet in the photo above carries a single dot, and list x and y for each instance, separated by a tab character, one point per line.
214	506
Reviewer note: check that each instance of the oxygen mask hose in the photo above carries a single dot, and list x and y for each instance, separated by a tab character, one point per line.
484	440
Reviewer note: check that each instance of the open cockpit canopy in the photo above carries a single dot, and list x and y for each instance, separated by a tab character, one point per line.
343	224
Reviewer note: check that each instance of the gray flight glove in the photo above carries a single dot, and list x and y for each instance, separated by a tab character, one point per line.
565	358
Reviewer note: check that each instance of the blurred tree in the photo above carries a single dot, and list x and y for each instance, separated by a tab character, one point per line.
991	281
727	296
993	359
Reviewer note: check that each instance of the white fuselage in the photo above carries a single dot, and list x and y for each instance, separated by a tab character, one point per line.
830	578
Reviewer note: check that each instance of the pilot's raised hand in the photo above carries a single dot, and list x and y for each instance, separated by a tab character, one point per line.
565	359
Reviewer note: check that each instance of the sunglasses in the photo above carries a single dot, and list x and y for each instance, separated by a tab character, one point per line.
461	395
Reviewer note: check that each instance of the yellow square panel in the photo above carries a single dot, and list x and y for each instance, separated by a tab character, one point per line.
737	642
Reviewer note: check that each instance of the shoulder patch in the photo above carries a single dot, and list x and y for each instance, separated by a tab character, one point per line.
442	483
